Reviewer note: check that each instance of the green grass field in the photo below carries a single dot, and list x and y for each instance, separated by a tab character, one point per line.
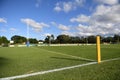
22	60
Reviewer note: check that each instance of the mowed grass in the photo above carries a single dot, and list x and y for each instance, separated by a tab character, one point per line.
103	71
23	60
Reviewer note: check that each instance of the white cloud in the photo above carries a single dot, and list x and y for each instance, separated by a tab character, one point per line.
85	30
68	6
79	2
3	30
13	29
104	21
109	14
63	27
63	6
54	23
102	9
109	2
35	25
47	34
57	8
80	18
68	33
2	20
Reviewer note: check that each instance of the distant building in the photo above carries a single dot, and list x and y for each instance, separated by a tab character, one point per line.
40	42
11	42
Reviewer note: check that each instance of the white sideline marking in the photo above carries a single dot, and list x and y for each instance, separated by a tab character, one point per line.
110	60
54	70
67	55
44	72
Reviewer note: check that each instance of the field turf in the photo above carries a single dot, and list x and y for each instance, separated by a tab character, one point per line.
22	60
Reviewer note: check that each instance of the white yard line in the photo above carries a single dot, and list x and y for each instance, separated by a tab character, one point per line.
111	47
111	59
44	72
54	70
67	55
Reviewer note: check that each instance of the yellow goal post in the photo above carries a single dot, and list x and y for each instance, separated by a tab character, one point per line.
98	49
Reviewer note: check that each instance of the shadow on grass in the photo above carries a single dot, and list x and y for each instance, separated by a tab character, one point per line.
3	61
71	59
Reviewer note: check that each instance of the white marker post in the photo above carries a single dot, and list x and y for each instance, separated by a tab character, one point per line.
28	43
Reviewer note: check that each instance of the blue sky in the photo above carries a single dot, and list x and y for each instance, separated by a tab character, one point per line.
70	17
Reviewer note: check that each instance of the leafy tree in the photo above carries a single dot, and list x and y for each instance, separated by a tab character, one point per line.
107	39
83	40
3	40
91	39
63	39
18	39
74	40
116	38
0	40
47	39
33	40
52	38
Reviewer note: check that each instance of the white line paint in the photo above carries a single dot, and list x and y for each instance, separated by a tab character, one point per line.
110	59
44	72
53	70
67	55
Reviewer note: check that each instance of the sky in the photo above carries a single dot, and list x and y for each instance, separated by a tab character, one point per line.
69	17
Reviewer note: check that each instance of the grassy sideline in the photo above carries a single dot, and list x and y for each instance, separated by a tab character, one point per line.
104	71
17	61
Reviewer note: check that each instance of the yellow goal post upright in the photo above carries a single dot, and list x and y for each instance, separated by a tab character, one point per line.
98	49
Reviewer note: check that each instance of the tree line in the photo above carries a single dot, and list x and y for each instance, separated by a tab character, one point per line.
22	40
17	40
60	39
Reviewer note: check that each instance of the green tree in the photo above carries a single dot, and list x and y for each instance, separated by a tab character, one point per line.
63	39
33	40
52	38
0	40
47	40
83	40
3	40
91	39
116	38
74	40
107	39
18	39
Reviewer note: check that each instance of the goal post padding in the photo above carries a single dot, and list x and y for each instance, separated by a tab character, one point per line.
98	49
